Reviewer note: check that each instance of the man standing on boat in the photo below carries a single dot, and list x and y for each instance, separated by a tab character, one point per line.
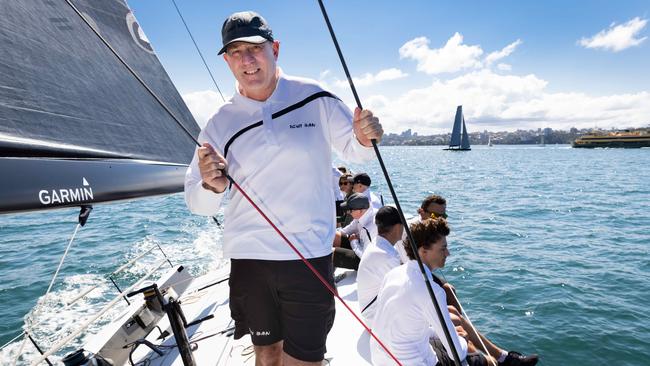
276	124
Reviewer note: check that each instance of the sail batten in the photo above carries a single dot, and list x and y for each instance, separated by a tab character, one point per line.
64	95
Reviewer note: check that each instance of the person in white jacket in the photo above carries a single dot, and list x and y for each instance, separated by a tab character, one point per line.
272	125
378	259
361	232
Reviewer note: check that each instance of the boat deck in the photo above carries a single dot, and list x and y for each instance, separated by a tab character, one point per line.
212	340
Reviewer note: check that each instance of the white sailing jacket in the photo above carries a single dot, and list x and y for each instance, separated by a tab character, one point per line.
405	319
280	152
378	259
374	200
399	246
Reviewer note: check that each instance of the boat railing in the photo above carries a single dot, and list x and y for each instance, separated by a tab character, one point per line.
117	271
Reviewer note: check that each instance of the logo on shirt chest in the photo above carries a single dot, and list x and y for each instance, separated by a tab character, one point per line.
301	125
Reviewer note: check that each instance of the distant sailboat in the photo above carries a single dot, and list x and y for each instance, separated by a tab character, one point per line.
459	137
489	141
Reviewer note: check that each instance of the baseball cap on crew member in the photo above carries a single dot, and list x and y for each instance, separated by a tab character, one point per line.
387	216
245	26
362	178
356	201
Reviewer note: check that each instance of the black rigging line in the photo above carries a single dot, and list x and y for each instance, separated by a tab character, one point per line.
392	191
198	50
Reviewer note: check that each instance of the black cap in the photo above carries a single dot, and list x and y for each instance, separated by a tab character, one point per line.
245	26
356	201
362	178
387	216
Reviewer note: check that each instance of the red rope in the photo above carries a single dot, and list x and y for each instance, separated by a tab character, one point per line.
318	275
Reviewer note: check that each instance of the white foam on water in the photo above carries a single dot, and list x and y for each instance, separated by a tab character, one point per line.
52	318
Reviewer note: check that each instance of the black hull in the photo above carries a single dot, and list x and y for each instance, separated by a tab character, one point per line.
450	149
76	182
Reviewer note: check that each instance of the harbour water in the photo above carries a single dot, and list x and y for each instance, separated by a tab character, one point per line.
549	249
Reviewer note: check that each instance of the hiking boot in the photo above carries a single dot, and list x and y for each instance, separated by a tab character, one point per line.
517	359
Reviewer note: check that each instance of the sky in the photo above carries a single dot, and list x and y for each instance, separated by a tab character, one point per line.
510	64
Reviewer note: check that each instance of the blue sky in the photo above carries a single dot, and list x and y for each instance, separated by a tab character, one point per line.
511	64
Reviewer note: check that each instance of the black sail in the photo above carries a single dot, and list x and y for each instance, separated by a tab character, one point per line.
457	130
75	126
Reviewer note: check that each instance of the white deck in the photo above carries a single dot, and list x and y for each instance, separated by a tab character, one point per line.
347	343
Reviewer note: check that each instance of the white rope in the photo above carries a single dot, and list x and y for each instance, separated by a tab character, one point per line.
42	299
20	350
122	268
11	341
65	254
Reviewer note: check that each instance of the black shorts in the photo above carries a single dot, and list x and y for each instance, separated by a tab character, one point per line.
346	258
473	359
283	300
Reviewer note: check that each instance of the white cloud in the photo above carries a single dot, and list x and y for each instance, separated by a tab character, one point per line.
506	51
203	104
369	79
505	102
617	37
504	67
492	100
453	56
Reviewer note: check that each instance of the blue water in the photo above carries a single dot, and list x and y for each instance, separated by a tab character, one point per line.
549	248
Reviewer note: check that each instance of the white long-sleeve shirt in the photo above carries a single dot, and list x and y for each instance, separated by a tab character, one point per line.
374	200
405	319
280	152
336	175
378	259
365	228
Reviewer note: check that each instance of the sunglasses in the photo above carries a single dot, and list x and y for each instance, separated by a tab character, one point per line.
344	183
435	215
